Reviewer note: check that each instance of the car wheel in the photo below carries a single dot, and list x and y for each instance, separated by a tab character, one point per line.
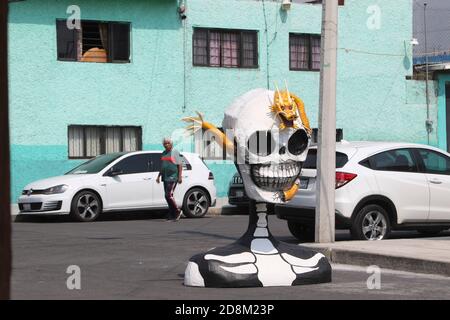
196	203
86	206
371	223
301	231
430	231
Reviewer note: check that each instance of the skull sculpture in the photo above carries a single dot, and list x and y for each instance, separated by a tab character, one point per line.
268	133
268	159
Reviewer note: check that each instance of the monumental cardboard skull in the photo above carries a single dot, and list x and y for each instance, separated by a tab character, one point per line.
270	148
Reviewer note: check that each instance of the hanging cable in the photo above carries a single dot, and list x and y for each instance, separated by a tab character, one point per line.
267	44
184	64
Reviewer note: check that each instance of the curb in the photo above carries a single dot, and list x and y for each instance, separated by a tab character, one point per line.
226	210
14	209
214	212
340	256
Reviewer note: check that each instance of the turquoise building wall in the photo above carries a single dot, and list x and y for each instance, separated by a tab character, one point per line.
160	85
443	80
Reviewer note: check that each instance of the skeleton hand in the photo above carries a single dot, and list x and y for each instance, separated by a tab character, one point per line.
196	123
278	196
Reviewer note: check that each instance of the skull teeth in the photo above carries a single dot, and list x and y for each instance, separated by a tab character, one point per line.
275	177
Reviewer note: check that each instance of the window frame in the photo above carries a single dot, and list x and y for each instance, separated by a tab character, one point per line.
310	37
222	31
102	129
200	146
78	39
411	151
341	159
421	162
147	155
154	156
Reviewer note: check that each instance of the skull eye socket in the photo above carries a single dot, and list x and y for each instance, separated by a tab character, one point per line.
298	142
261	143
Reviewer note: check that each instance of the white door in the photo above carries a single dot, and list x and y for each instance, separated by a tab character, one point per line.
188	180
158	188
133	187
399	179
437	168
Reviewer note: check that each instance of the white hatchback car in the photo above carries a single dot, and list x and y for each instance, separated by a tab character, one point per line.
119	182
380	186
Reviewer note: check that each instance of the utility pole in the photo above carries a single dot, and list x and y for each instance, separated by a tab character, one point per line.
326	166
428	122
5	208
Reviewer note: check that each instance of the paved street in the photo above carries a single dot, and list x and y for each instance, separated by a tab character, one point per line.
140	256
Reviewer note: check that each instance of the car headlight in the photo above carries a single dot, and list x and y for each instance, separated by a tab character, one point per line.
56	189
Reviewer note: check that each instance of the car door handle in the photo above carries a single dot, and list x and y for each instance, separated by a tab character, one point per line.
147	178
436	181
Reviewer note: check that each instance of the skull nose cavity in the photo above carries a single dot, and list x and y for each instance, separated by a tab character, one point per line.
282	150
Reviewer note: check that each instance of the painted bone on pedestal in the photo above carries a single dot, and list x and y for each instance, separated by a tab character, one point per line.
257	259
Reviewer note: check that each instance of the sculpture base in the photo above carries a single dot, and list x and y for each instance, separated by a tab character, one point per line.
257	259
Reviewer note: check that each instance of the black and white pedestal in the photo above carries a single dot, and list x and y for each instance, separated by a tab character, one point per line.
257	259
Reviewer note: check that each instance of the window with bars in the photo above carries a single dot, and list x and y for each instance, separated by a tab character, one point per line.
207	147
95	41
91	141
304	52
225	48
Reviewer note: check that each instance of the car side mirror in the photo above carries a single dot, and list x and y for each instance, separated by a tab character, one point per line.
115	172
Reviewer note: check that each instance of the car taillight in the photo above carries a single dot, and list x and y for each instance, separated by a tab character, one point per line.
211	176
342	178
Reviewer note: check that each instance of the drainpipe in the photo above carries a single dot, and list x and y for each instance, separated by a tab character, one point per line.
428	122
182	14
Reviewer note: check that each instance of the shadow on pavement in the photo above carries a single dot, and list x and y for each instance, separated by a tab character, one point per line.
234	210
206	234
116	216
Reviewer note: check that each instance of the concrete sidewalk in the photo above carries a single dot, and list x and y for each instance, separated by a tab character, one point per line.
425	255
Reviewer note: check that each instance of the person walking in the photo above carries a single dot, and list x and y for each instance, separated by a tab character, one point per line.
171	171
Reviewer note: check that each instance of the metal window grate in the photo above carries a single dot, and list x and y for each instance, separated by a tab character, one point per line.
225	48
230	50
249	54
304	52
96	41
91	141
200	43
207	147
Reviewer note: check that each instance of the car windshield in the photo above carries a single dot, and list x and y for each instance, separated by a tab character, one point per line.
96	164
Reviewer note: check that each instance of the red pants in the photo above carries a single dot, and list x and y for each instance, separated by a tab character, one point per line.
169	188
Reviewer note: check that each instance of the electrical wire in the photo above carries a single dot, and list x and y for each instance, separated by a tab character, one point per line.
372	53
184	64
391	54
267	43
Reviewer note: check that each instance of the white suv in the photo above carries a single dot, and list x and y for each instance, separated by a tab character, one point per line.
119	182
380	186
